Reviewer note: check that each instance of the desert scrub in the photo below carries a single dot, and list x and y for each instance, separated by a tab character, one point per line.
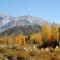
10	52
22	55
2	50
57	50
2	57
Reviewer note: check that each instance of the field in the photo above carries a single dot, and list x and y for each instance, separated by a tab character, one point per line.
29	52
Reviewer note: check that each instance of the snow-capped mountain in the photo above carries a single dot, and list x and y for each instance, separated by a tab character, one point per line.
29	20
7	21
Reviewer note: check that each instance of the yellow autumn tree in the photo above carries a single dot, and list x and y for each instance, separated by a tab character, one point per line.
36	37
55	32
7	40
46	31
1	40
20	39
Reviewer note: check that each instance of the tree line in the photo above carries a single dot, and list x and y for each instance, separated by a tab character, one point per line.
48	36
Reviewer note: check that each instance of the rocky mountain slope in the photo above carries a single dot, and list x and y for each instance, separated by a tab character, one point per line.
9	24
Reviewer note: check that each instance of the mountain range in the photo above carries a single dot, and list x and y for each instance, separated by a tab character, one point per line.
10	25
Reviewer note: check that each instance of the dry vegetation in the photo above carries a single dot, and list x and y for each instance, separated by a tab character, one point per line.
37	46
23	53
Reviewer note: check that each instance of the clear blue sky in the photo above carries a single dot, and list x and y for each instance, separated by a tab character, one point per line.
46	9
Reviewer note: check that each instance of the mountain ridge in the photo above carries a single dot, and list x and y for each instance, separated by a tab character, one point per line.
7	21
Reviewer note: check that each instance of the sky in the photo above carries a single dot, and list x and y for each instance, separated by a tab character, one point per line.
46	9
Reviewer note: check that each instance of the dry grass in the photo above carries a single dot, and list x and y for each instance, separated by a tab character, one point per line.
30	53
